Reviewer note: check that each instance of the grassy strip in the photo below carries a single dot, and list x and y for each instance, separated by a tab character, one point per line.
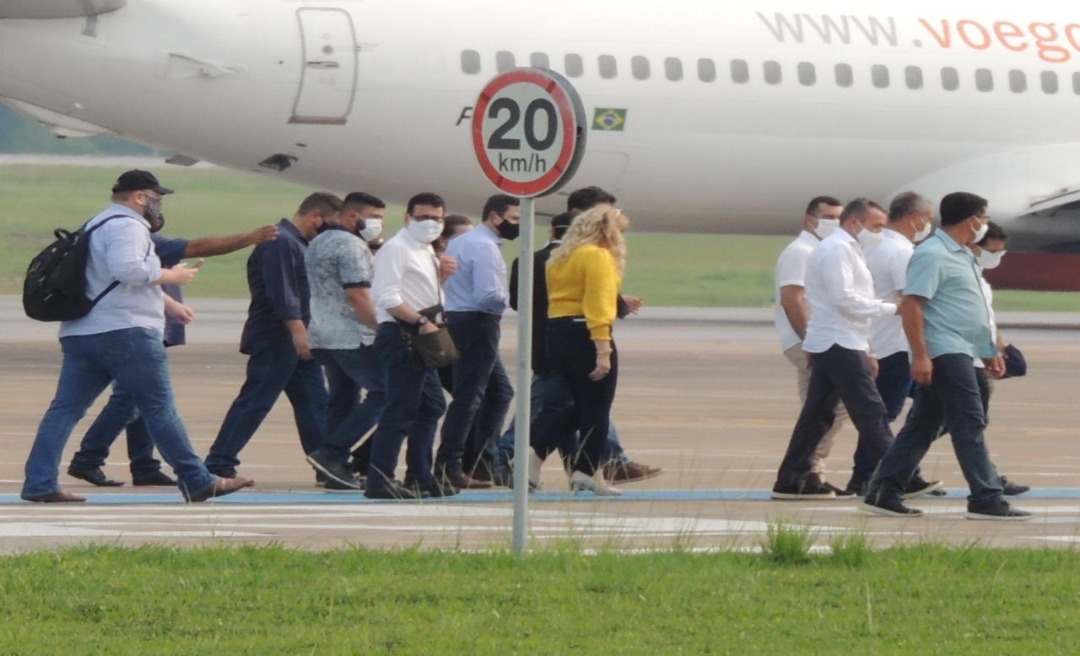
667	269
257	600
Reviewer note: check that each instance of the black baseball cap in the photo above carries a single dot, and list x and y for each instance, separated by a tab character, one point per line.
138	180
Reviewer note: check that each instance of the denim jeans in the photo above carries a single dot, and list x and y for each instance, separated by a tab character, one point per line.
894	383
953	398
838	374
348	419
481	396
135	359
273	367
118	415
798	359
414	404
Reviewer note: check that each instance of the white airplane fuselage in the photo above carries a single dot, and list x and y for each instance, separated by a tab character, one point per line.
840	98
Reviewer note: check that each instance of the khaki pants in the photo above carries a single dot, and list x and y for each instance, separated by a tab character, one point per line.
797	357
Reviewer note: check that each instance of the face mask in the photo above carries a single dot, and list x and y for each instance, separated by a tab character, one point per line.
153	214
372	229
425	232
981	232
870	240
924	232
988	260
509	231
826	227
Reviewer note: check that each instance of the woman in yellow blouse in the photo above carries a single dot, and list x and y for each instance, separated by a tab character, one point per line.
584	275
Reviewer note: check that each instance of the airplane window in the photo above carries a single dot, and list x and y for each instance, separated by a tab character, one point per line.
706	70
470	62
913	76
673	69
844	75
1049	82
1017	81
880	76
539	60
807	74
639	66
504	61
984	79
608	68
575	65
740	71
1076	83
950	79
773	74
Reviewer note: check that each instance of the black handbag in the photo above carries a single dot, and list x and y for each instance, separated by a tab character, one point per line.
1015	362
433	350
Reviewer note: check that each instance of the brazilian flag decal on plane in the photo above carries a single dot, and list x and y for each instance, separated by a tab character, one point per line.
609	120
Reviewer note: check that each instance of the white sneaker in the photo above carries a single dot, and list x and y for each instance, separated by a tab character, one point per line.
580	482
535	465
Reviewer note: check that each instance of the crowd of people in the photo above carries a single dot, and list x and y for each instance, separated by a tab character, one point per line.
337	321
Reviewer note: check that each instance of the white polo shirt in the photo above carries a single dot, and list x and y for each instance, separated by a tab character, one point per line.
888	266
840	292
791	270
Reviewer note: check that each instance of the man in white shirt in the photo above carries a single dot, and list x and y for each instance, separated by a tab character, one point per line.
840	295
822	218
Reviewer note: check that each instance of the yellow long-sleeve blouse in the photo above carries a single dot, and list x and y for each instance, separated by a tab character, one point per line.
586	284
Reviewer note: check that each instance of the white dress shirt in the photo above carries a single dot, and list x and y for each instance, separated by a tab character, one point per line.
406	271
888	266
840	293
791	270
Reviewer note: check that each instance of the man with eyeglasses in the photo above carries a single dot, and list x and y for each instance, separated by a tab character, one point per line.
408	298
947	323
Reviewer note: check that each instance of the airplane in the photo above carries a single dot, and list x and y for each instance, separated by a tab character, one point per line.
703	116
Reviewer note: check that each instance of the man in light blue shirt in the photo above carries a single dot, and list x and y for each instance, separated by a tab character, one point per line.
947	323
476	297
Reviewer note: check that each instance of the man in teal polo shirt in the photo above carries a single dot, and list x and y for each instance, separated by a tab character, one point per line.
947	324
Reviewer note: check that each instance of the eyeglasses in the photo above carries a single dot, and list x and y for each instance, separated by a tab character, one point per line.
437	219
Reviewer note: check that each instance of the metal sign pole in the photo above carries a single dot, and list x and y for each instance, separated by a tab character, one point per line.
523	410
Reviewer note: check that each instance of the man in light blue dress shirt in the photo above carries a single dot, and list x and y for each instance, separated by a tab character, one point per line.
476	297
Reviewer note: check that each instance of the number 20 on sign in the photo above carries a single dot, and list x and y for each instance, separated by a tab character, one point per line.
528	131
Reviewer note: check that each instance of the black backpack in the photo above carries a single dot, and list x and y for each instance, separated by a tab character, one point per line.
55	285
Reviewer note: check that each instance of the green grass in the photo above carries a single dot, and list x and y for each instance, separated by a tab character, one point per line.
924	599
666	269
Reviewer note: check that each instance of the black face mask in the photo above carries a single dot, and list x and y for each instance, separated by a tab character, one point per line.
509	231
153	215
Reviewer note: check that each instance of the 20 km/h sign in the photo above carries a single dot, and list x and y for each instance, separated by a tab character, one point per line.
528	131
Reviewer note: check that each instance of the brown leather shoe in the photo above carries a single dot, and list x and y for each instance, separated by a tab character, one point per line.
220	488
631	472
464	482
56	497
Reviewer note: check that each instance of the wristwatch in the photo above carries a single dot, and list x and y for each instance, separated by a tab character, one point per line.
421	321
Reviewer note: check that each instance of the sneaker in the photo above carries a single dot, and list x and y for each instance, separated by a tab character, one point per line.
535	467
1013	489
889	506
582	482
842	493
393	490
332	485
1001	513
336	472
431	488
629	472
919	488
812	489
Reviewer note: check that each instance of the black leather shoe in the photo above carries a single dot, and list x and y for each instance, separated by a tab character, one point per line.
56	497
222	472
393	490
152	479
1013	489
93	476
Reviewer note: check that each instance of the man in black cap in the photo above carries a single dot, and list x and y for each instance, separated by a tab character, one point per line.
121	340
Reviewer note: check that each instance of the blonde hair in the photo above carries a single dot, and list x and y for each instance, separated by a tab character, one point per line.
602	226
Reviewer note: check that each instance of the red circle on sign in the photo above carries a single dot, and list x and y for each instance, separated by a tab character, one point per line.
567	148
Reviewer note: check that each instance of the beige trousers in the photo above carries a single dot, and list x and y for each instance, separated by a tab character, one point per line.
797	357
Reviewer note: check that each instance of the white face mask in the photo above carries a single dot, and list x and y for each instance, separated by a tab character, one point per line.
924	232
870	240
372	229
425	231
981	232
988	260
826	227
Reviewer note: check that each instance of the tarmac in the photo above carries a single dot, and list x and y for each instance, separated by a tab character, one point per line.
704	393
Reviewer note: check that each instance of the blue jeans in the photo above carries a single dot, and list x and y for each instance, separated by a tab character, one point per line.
118	414
348	419
135	359
894	383
273	367
481	396
838	374
951	399
414	404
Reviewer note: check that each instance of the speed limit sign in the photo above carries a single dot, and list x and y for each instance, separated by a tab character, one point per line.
528	131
